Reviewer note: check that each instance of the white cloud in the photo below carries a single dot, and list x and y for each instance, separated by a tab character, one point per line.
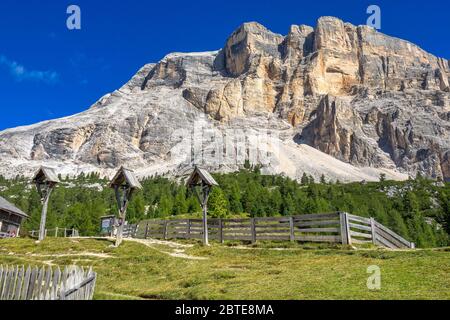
20	73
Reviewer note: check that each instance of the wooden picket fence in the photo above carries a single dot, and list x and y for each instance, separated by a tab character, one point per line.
339	227
32	283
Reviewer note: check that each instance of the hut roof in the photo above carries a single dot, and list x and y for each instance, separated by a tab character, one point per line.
47	174
125	175
7	206
201	175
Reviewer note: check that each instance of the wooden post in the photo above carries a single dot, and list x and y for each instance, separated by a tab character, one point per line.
56	232
146	231
373	230
73	233
253	230
292	231
220	230
189	229
345	231
165	229
205	215
42	232
65	233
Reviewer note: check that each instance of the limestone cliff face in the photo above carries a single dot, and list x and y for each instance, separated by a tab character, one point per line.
362	97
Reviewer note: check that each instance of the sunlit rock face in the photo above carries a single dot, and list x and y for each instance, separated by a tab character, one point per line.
337	99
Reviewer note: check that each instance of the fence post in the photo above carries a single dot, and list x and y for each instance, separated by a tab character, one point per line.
345	231
56	232
220	230
291	226
253	227
372	228
65	232
189	229
146	230
165	230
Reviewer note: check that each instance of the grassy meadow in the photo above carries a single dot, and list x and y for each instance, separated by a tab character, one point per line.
186	270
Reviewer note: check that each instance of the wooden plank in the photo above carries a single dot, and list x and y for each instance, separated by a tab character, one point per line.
373	230
38	288
317	223
265	237
221	231
20	278
3	276
291	230
385	243
393	234
391	239
360	227
47	281
333	239
55	282
272	219
238	237
266	231
26	282
318	230
361	235
5	288
316	216
234	226
343	228
358	219
237	220
32	283
273	226
12	283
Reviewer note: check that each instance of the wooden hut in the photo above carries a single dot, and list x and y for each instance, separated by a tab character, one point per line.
11	219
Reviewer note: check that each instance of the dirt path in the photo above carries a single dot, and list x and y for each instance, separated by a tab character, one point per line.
177	249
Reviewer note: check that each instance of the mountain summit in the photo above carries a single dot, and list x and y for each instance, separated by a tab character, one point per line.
340	100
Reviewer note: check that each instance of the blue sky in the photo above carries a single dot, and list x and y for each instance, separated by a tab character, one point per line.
48	71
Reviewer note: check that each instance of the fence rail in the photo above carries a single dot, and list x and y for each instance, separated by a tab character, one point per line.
74	283
337	227
56	233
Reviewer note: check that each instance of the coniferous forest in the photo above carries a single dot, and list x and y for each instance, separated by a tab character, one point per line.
417	209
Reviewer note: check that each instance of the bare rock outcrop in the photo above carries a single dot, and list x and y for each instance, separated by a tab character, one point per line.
373	102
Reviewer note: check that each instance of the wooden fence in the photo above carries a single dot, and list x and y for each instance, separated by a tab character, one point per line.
74	283
129	231
337	227
56	233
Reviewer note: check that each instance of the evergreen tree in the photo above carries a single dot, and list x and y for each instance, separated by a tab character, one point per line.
217	204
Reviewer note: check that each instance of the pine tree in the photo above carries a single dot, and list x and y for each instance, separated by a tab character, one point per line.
217	204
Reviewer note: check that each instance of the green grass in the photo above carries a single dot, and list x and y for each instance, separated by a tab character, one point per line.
235	271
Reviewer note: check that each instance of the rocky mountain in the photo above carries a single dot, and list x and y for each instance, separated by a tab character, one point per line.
341	100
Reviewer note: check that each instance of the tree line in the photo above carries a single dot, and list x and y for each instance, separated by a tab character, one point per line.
418	209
